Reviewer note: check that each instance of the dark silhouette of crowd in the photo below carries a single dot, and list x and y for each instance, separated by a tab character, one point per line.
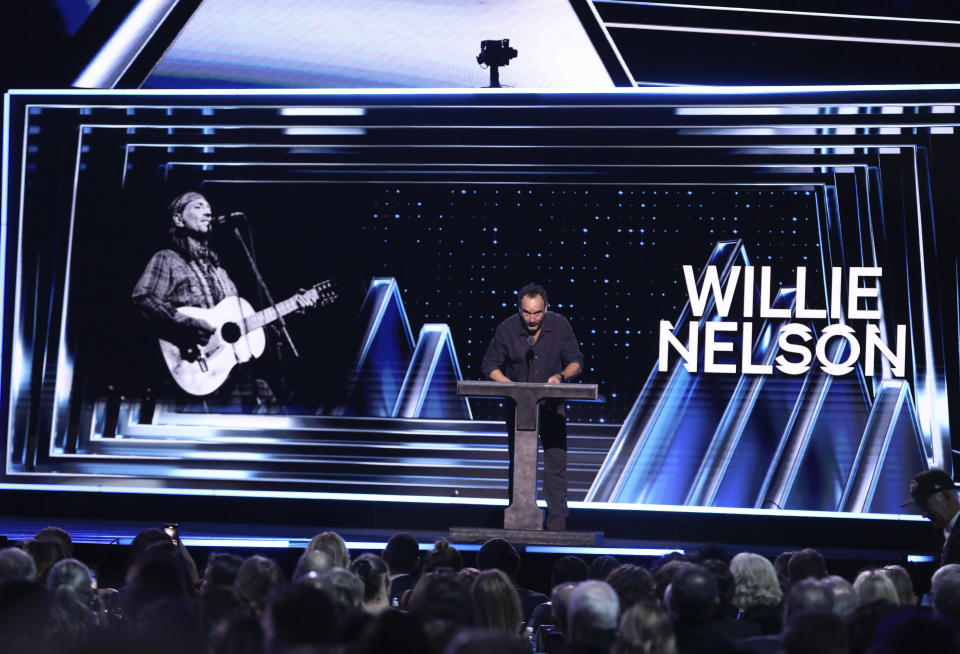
405	600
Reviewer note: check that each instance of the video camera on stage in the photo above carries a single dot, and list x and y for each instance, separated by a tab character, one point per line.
496	52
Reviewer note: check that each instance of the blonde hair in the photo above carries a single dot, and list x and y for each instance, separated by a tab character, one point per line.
875	585
331	543
756	581
902	583
496	604
645	629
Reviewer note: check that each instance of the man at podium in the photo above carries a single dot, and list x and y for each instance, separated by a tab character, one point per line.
537	345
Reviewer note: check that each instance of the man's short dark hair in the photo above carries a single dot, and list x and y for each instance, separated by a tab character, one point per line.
693	593
532	290
633	585
816	633
500	554
806	563
568	568
401	553
808	595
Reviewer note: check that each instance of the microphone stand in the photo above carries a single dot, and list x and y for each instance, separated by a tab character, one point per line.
266	291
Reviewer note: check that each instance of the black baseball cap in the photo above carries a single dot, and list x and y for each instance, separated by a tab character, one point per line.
927	483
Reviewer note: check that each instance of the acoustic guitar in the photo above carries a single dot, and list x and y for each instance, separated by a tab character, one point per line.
239	337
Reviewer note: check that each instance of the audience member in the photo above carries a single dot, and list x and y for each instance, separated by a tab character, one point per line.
342	586
805	564
844	597
24	616
372	571
632	584
757	592
691	600
592	617
863	623
392	632
241	634
443	556
815	632
299	616
903	583
914	630
807	595
500	554
60	535
331	543
74	603
16	565
485	641
602	566
402	556
496	604
645	628
872	585
568	569
316	561
256	580
221	570
945	592
663	575
45	552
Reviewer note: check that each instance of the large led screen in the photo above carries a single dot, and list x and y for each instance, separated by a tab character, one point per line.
752	279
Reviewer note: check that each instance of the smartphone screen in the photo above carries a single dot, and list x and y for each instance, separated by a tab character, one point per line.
173	531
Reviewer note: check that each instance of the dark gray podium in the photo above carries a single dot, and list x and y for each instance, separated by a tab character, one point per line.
523	519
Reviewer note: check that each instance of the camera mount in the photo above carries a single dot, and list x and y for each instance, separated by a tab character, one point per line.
495	53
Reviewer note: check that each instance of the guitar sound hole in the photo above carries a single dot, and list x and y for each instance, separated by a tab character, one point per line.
230	332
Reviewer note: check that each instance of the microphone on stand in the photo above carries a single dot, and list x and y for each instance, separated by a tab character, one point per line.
230	219
530	341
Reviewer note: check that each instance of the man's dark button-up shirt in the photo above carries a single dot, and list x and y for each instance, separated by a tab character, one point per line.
556	347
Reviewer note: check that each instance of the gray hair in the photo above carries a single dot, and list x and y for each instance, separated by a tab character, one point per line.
594	607
844	596
756	581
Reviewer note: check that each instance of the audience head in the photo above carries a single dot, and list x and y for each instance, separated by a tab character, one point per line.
316	561
299	615
592	612
159	572
692	595
16	565
755	581
911	630
342	586
392	632
645	628
467	576
863	621
484	641
24	616
256	580
402	554
372	571
499	554
806	563
443	556
496	604
663	575
58	534
945	592
903	583
808	595
602	566
443	596
72	590
238	634
331	543
632	584
222	570
45	552
815	632
560	603
144	540
874	585
844	597
566	569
